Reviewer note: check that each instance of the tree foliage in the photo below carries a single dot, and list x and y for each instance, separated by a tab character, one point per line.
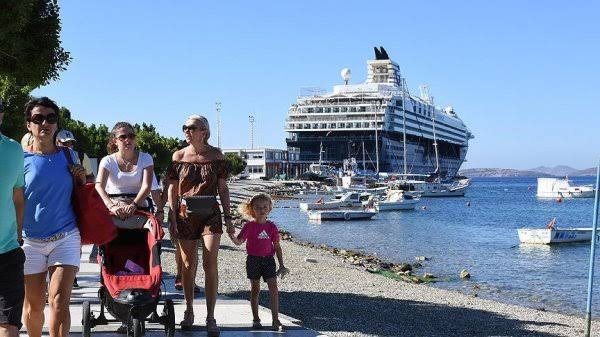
30	51
30	55
160	148
236	163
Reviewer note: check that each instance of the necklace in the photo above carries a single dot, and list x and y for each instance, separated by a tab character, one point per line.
127	165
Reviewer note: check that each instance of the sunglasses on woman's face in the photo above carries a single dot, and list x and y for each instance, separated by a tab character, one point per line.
126	136
192	128
39	118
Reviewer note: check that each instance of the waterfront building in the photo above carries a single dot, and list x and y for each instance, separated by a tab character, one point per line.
265	163
399	132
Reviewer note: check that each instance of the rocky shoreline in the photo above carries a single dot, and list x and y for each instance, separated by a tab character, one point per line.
344	293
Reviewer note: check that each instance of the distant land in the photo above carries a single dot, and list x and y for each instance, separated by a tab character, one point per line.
542	171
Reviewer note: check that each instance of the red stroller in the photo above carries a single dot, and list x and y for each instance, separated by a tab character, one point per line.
131	294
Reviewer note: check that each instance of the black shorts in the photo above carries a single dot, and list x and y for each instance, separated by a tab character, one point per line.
12	287
257	266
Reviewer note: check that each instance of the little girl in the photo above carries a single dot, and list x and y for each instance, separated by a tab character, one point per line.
262	242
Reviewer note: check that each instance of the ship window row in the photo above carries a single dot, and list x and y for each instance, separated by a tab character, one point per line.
438	123
348	125
336	109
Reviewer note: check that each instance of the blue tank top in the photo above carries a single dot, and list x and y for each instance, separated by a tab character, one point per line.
48	188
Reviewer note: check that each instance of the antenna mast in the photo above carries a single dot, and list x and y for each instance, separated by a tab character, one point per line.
218	111
405	99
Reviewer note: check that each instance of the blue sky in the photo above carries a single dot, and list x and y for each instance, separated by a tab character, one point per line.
523	75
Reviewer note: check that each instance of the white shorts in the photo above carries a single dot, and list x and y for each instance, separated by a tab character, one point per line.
41	255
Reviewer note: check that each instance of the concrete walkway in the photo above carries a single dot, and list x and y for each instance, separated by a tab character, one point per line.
234	316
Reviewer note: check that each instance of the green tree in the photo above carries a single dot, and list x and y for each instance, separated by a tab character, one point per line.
236	163
160	148
91	140
30	55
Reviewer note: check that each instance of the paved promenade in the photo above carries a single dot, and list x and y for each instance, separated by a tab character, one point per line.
233	315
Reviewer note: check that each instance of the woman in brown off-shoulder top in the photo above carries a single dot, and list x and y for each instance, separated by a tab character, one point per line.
198	169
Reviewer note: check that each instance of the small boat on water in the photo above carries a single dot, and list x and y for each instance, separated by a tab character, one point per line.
432	189
344	214
562	188
396	200
554	235
349	199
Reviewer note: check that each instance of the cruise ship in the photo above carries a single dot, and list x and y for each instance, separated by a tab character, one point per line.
378	120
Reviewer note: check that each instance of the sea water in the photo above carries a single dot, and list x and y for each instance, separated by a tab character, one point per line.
481	238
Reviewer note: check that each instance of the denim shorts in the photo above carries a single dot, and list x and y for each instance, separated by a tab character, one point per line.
41	255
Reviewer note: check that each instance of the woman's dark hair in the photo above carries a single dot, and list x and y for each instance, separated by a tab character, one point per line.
111	147
42	101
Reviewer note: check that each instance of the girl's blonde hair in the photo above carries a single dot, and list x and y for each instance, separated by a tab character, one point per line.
245	208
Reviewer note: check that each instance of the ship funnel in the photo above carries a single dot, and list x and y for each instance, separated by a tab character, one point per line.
345	73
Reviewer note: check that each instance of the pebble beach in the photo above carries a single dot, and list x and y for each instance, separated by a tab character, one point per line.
337	298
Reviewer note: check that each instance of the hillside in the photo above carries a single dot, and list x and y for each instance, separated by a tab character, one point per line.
500	172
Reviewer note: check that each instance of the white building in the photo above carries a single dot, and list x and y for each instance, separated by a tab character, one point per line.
266	163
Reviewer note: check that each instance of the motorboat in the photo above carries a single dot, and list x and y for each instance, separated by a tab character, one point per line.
431	189
396	200
562	188
346	200
554	235
342	214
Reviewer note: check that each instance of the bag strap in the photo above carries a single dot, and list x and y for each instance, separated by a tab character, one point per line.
67	152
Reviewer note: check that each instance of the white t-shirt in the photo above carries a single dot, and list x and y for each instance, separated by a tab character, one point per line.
120	182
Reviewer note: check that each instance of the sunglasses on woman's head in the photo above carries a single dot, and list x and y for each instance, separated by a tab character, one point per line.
192	127
126	136
39	118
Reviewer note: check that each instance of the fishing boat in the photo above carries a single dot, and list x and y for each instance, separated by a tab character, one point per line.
554	235
346	200
396	200
343	214
562	188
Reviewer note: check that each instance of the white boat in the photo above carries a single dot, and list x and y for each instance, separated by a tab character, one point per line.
345	214
562	188
349	199
430	189
396	200
554	235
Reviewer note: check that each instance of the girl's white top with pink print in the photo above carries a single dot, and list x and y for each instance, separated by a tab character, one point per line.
259	238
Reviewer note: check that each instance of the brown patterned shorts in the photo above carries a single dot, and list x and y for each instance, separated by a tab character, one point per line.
193	227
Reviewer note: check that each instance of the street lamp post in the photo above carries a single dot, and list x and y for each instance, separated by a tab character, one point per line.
251	119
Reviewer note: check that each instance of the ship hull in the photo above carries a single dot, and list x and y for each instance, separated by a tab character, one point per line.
420	152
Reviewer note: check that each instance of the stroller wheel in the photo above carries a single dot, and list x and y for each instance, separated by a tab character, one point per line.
86	319
137	327
168	317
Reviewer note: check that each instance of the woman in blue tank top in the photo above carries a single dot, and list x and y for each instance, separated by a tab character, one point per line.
51	239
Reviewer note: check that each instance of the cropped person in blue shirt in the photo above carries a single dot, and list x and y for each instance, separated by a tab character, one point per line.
11	220
51	238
